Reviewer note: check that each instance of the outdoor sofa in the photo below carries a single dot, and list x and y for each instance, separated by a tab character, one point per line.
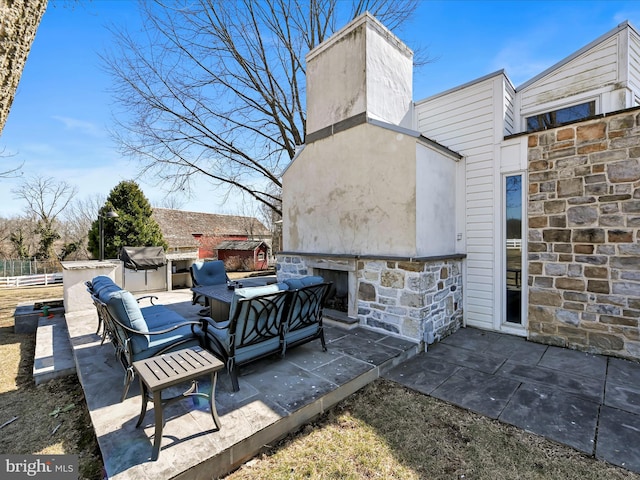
267	320
138	333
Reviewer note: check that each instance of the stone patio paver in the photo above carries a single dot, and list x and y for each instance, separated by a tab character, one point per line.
589	402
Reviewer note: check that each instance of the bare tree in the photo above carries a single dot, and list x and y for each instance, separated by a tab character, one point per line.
217	89
11	172
16	238
77	221
174	202
46	198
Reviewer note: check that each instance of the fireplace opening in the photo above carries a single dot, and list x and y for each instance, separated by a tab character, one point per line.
338	296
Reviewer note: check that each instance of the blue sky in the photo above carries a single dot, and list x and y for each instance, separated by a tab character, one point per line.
58	125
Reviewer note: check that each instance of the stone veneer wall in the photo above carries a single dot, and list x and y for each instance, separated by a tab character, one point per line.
20	20
584	235
420	300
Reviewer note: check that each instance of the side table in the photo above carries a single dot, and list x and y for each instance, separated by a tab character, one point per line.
168	370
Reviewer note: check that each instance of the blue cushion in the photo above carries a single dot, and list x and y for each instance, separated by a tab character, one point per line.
159	317
250	351
105	293
100	281
209	273
311	280
143	348
103	287
124	308
308	331
296	283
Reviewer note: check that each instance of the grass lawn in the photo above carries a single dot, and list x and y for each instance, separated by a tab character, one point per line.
384	431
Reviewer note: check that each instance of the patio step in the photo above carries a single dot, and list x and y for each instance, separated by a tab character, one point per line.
53	355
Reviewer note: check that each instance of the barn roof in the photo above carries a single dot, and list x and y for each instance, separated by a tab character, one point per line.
179	226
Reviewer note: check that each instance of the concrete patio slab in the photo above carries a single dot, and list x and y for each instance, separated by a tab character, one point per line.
624	397
276	397
554	414
619	438
53	357
589	387
477	391
564	395
577	363
466	357
422	374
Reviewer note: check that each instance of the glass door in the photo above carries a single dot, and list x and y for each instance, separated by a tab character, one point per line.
513	274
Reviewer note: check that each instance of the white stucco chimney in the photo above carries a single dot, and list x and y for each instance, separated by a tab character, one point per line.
362	69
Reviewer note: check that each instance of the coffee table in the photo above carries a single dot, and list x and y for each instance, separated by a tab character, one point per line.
163	371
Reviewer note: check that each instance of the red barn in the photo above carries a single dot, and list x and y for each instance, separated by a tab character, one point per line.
185	230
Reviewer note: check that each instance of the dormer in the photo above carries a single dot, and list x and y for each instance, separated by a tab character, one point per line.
602	77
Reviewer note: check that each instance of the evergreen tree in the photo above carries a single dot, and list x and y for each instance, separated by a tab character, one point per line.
134	226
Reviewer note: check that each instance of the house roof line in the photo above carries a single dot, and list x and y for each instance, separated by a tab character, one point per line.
467	84
577	53
368	20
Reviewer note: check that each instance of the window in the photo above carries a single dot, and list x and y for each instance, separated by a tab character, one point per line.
560	116
513	248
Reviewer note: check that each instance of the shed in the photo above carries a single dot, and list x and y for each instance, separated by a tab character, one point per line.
250	254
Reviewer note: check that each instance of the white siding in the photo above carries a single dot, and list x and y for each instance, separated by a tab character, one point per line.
634	63
509	105
590	71
464	120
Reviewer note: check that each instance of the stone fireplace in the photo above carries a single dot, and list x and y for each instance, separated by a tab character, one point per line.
368	203
341	272
338	296
420	299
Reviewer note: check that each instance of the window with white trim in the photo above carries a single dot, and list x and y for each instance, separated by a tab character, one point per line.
558	117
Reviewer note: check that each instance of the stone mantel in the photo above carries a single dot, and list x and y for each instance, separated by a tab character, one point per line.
393	258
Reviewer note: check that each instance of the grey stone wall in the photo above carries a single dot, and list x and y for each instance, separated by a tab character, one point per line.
419	300
584	235
20	20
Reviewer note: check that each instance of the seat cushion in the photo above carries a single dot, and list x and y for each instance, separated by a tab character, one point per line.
249	352
124	308
311	280
159	317
144	349
296	283
101	281
104	287
308	331
209	273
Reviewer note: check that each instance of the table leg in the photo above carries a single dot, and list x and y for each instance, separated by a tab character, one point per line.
157	408
212	401
145	400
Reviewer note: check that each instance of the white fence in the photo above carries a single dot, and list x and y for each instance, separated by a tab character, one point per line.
31	280
514	243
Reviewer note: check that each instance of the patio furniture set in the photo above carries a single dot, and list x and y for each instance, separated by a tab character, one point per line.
241	324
